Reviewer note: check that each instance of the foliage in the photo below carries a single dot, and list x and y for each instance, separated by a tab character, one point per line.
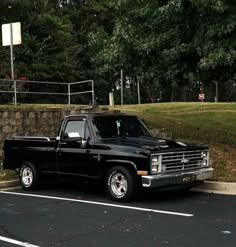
174	48
173	44
47	51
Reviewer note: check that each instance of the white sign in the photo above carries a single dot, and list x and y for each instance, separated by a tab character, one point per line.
16	34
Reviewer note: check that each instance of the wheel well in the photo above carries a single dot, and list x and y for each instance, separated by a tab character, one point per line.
107	166
23	162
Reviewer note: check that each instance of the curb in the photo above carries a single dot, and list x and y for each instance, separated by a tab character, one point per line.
207	187
9	184
226	188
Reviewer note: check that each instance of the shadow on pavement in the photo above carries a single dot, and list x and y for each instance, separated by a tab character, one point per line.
96	191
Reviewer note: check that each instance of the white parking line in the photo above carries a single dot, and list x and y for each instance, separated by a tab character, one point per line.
99	203
16	242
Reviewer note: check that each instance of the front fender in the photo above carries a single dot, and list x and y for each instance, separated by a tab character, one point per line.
122	162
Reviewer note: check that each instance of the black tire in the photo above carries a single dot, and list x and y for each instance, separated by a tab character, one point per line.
121	184
29	176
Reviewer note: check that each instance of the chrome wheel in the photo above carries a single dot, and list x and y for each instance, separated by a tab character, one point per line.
27	176
119	184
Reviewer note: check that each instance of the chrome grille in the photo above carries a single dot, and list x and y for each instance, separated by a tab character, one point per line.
179	161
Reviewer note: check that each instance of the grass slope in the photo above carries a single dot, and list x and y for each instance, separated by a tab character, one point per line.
209	123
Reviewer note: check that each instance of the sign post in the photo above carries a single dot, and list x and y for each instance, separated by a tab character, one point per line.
138	90
217	92
121	88
11	35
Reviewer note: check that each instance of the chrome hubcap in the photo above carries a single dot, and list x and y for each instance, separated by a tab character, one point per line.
119	184
27	176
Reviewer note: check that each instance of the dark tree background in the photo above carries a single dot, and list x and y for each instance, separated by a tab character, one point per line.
175	49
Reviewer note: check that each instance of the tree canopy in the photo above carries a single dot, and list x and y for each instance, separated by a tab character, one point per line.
175	49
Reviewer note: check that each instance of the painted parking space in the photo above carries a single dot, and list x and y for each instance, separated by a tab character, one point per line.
99	203
72	218
16	242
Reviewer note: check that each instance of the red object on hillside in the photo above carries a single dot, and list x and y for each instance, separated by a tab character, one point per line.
201	96
23	78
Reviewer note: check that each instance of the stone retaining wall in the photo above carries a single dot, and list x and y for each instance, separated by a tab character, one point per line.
31	122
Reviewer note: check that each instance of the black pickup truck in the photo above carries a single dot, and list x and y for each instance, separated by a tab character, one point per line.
116	148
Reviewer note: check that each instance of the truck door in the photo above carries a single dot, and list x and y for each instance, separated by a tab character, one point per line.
72	157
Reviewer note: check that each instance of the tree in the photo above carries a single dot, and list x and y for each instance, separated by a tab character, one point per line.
175	42
93	23
170	46
215	42
48	49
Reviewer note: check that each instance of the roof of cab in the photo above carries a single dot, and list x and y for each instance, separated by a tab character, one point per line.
107	113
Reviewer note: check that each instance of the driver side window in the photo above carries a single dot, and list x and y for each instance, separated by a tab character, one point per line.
75	126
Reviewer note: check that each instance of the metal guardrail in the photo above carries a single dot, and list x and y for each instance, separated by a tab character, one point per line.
16	88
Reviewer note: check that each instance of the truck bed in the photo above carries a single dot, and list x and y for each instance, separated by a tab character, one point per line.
20	148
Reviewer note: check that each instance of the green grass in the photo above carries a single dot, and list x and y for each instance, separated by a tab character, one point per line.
200	122
7	175
209	123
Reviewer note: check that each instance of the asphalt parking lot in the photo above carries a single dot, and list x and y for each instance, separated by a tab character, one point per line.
73	216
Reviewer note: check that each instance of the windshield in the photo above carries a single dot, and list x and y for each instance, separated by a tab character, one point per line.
119	126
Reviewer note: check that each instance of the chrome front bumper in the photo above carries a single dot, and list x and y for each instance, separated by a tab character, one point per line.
164	180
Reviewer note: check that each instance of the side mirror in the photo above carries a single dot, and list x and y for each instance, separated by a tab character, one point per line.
84	143
75	139
72	136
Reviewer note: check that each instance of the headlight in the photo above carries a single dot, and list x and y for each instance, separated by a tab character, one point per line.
155	163
205	158
204	154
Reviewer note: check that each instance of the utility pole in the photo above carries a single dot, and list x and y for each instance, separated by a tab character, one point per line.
138	90
217	92
121	88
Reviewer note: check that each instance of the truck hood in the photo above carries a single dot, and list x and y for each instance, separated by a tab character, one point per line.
151	143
